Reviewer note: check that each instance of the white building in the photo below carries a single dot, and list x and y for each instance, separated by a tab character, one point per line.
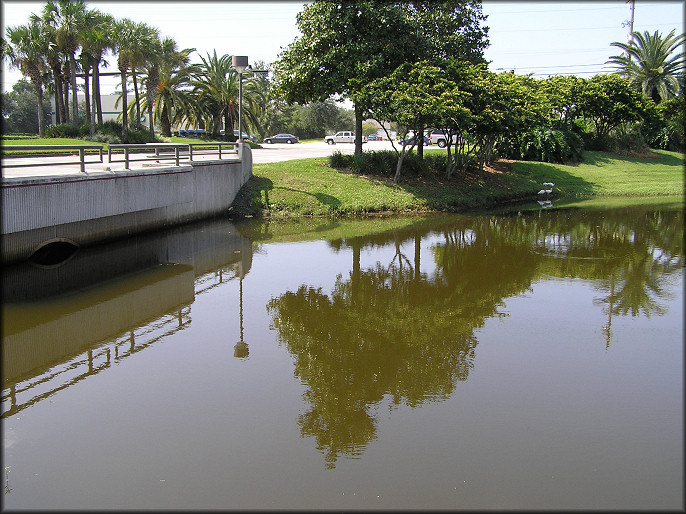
109	110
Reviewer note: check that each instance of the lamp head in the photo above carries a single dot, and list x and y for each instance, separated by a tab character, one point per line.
240	62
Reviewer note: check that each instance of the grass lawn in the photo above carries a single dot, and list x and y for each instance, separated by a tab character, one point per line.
309	187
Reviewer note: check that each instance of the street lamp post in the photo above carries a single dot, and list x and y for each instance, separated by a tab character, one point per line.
240	63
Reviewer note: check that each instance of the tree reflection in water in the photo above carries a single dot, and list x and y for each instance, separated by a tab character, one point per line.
391	333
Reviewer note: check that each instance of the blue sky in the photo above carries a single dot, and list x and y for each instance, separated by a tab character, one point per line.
542	38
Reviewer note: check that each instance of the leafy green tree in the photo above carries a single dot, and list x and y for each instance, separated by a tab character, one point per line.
25	49
408	97
19	109
340	41
345	45
610	100
652	63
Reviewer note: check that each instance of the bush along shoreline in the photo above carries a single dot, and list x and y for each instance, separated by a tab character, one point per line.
345	185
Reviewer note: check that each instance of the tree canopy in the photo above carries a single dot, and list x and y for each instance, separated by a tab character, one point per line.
345	45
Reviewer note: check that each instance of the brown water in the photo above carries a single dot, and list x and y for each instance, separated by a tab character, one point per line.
529	360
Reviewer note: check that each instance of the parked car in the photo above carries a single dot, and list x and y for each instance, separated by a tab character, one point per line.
245	136
374	137
344	136
410	139
440	138
282	138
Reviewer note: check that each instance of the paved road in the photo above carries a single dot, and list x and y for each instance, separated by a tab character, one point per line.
268	153
284	152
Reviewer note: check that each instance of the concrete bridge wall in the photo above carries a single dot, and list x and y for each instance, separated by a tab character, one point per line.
89	208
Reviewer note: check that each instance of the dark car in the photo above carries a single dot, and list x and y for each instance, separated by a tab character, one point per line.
411	140
282	138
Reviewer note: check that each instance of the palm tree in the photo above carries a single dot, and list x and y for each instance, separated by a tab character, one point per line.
131	41
55	60
649	64
216	85
147	45
68	19
174	93
96	38
161	63
25	49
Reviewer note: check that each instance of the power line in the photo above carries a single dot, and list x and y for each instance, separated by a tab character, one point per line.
579	28
558	66
566	10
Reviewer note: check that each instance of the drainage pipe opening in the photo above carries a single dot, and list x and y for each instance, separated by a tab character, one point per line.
54	253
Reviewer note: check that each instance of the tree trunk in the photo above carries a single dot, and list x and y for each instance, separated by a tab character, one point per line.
153	81
419	135
41	116
96	92
87	94
137	97
358	130
124	109
74	92
65	99
165	123
57	105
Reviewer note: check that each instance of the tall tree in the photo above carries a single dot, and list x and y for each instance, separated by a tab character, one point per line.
25	49
652	63
55	59
341	41
145	45
68	19
160	64
173	92
345	45
123	43
96	39
216	84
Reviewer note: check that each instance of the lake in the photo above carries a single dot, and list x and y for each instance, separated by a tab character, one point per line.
530	358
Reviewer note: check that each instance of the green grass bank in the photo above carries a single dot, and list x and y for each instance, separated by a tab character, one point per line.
310	187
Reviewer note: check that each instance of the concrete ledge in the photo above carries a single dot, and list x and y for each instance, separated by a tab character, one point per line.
92	207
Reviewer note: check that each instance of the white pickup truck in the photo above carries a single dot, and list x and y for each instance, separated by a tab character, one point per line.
343	136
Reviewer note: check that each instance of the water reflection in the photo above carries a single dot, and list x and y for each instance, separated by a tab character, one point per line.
61	325
401	330
393	333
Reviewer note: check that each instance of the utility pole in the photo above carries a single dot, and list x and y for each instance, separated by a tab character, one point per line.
631	24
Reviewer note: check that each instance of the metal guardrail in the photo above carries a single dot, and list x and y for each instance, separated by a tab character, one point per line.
37	148
181	151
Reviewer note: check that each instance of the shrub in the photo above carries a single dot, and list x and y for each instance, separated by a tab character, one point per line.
68	130
99	137
543	144
627	138
139	136
110	127
339	161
